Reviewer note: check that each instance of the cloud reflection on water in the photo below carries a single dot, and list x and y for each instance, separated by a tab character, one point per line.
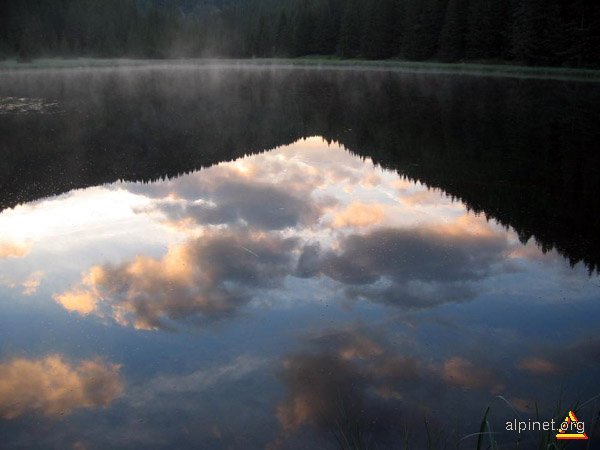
204	279
13	250
363	384
53	386
359	386
300	227
249	231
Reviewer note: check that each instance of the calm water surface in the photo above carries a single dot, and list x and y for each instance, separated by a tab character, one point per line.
227	257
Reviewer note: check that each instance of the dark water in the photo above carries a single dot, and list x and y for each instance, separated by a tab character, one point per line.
220	257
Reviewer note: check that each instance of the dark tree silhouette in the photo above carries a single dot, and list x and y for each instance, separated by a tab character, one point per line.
535	32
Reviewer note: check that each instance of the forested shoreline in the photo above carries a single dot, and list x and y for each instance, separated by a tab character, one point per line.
531	32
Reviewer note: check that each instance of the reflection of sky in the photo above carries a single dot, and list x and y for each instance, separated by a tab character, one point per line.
305	290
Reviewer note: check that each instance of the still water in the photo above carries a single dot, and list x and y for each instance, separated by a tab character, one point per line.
258	257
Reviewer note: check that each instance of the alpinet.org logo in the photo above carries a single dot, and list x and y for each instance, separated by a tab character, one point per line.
571	429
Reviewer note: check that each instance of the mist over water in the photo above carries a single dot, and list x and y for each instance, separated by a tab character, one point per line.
219	256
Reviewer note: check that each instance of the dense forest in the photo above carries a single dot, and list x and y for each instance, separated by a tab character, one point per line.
533	32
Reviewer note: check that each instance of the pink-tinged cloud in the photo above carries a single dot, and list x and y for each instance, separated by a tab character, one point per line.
461	372
32	283
359	214
203	279
52	386
12	250
538	366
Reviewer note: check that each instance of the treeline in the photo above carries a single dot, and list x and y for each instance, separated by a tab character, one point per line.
533	32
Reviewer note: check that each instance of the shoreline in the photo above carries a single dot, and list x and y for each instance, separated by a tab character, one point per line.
425	67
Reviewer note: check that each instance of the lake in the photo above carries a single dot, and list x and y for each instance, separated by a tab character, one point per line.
230	256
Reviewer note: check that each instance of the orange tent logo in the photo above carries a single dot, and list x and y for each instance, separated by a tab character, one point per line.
571	428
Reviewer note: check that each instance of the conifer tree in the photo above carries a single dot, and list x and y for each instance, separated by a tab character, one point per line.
454	29
350	35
